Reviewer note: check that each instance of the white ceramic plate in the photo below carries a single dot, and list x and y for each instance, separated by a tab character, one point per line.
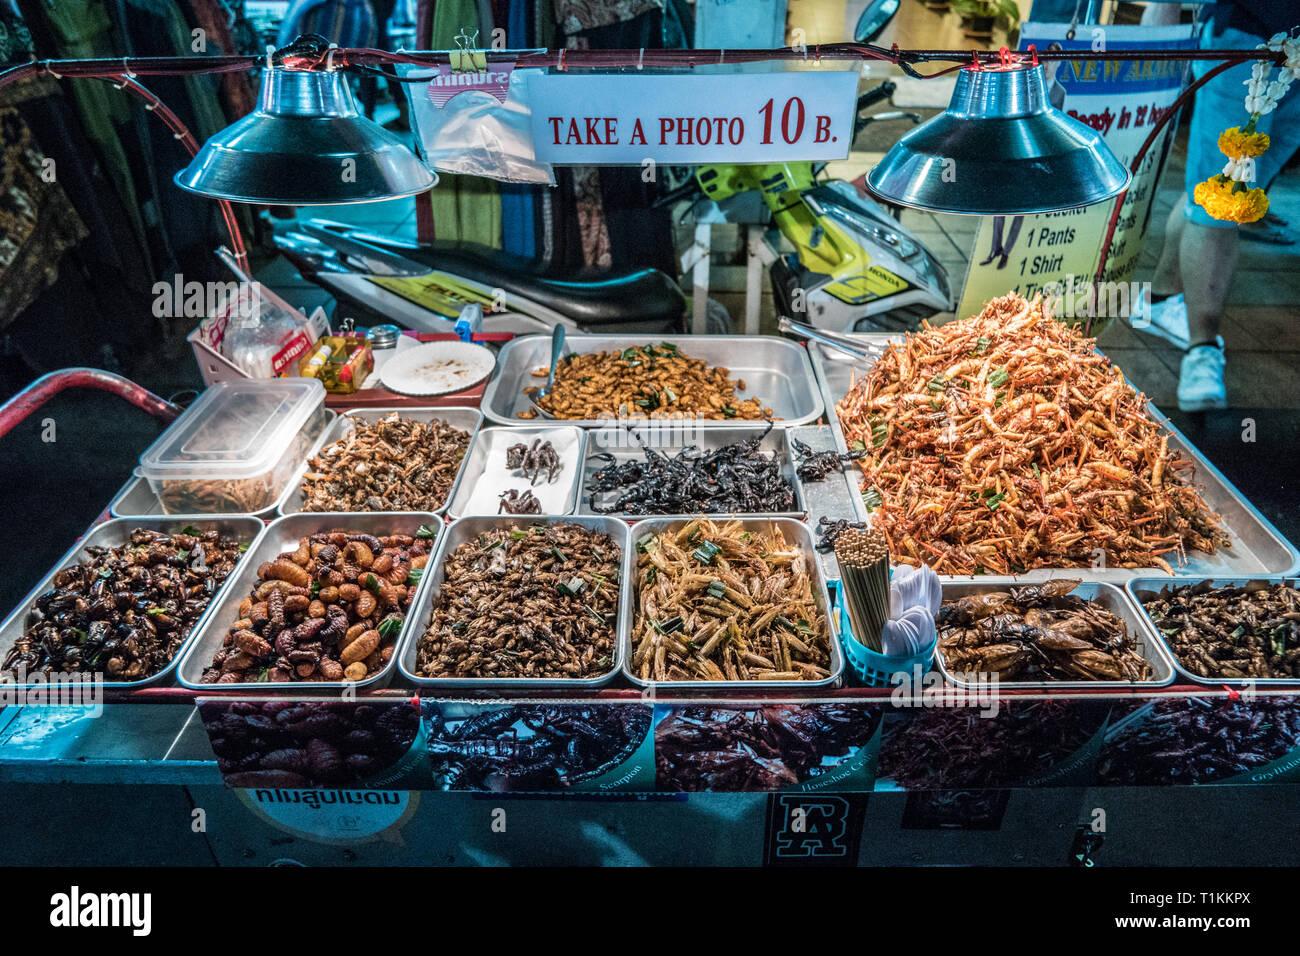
437	368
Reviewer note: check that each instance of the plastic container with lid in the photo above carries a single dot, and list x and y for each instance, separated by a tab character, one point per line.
234	450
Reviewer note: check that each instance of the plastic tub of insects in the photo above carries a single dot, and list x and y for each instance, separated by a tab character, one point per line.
521	603
236	448
539	464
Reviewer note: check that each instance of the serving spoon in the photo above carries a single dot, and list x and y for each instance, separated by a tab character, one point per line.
535	394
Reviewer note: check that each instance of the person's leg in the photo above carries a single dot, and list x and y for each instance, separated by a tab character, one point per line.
1168	279
1205	288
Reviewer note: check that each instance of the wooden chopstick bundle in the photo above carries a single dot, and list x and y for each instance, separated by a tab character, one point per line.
864	575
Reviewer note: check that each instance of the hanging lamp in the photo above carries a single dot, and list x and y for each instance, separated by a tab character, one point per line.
999	149
306	144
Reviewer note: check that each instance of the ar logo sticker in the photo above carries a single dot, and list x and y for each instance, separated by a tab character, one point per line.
814	829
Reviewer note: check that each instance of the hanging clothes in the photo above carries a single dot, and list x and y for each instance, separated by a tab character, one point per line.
51	118
462	208
37	222
578	16
181	225
78	29
618	225
216	19
518	200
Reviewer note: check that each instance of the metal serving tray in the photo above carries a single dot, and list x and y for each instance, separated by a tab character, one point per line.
1109	596
283	535
137	499
625	445
833	497
486	444
795	531
466	419
1258	548
1141	588
465	529
775	370
244	528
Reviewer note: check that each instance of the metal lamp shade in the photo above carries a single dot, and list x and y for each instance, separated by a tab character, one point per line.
999	149
306	144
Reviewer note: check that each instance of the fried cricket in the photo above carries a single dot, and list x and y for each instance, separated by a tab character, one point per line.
1005	442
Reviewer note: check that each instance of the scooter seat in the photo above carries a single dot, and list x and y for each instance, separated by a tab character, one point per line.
611	298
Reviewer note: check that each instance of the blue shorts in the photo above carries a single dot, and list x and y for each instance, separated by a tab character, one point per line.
1220	104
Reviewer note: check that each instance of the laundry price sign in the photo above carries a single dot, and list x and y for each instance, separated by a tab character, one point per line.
687	120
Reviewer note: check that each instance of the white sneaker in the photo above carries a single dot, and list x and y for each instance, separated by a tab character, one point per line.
1166	318
1200	384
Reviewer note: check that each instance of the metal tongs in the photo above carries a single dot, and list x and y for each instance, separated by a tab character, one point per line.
842	343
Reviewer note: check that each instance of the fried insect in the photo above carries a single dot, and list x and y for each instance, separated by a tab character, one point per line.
735	479
533	746
525	601
816	465
1188	740
1037	632
766	748
646	381
1005	442
830	530
124	611
308	744
717	602
534	459
330	610
394	464
1232	632
515	503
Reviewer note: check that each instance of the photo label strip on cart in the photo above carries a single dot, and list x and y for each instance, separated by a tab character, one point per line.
712	118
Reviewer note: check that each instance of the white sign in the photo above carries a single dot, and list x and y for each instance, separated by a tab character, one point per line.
706	118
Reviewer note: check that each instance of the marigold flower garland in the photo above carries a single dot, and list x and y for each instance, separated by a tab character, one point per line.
1228	195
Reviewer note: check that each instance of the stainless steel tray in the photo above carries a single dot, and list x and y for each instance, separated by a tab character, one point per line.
466	419
795	531
283	535
1257	547
491	443
137	499
625	445
775	370
1141	588
833	497
1109	596
456	534
244	528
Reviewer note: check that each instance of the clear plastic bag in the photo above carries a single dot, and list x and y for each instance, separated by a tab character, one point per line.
476	134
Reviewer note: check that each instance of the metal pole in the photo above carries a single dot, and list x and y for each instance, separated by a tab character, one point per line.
47	386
